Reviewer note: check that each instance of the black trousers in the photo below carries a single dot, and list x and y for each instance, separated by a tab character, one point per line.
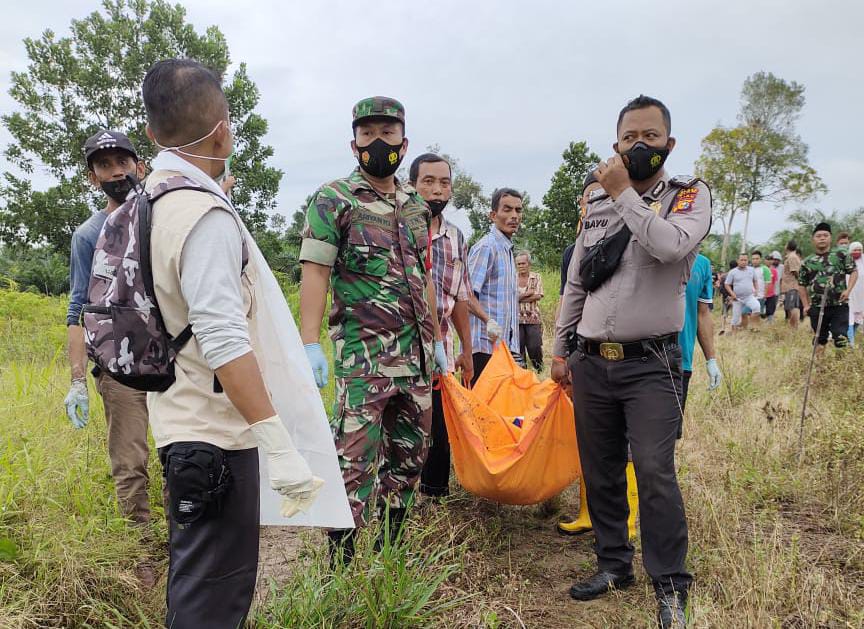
481	359
771	306
435	478
835	321
531	342
633	400
213	561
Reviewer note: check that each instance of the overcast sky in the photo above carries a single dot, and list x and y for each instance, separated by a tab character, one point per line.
505	85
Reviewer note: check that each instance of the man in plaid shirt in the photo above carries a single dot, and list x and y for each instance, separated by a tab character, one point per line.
431	175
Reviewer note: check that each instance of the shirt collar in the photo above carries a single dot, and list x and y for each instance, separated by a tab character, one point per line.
500	238
357	181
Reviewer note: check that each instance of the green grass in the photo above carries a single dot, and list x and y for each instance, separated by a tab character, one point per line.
774	543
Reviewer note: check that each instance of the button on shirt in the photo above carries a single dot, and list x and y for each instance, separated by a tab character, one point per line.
492	270
644	298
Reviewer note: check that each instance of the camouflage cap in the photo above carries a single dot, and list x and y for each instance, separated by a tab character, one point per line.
378	106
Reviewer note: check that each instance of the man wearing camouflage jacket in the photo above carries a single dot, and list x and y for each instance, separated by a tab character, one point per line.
367	236
827	268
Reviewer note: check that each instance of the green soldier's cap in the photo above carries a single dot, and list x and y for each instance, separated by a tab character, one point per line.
377	106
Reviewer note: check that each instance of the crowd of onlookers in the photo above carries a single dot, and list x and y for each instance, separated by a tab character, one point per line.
754	286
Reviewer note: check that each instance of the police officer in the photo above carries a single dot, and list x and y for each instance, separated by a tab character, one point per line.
369	233
626	306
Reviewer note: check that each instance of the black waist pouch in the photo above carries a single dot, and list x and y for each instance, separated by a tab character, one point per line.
600	261
197	476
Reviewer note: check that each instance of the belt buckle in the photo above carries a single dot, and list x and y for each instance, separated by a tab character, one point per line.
612	351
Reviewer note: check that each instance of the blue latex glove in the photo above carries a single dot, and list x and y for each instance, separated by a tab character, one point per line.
318	360
78	404
714	375
440	358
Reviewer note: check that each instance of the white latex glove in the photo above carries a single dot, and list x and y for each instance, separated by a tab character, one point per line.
440	358
318	361
78	404
493	330
714	375
289	473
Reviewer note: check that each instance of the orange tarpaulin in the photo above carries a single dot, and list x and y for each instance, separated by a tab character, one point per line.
513	438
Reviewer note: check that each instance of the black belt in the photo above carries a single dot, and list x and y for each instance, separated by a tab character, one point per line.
625	351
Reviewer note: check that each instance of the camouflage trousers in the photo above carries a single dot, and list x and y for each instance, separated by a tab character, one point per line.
381	429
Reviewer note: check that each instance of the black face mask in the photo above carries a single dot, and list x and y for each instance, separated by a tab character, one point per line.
643	161
437	206
379	159
117	189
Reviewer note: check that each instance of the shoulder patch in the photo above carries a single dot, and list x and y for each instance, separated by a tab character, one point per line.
684	200
596	195
684	181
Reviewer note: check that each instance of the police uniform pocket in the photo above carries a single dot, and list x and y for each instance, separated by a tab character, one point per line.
197	477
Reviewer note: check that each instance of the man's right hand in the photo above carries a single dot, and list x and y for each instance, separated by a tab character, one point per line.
560	372
493	330
289	472
318	360
78	404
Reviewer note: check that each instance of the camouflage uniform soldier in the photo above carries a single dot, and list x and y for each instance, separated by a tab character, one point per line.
368	236
827	266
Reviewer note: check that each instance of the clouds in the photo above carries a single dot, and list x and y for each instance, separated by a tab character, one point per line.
506	85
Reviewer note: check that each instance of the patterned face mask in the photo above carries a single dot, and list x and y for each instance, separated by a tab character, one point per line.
379	159
643	161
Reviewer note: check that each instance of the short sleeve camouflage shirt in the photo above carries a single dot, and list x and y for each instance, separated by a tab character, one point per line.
380	322
817	270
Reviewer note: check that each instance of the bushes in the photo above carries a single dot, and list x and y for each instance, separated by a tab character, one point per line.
34	270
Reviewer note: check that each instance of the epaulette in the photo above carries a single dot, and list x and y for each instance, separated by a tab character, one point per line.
685	181
597	195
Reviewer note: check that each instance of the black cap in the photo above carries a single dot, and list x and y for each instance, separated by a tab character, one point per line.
106	139
822	227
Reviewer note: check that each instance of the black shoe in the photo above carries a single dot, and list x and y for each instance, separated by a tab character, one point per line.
395	521
670	610
341	546
600	583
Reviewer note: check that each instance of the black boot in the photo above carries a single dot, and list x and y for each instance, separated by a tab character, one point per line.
395	520
341	546
670	610
600	583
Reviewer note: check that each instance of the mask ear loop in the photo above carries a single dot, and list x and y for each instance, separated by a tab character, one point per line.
176	149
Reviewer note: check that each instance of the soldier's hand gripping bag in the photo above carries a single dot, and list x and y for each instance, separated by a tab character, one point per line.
197	478
600	261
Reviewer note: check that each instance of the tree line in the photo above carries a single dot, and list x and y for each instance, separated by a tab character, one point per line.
90	79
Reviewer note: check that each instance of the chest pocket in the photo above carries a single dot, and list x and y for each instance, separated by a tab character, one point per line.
453	271
367	254
592	236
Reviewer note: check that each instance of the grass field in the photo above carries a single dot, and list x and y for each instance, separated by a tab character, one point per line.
774	542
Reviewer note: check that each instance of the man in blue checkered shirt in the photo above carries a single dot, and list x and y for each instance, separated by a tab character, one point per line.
493	279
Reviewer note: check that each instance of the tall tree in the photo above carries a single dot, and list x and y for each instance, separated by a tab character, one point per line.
91	79
550	229
762	160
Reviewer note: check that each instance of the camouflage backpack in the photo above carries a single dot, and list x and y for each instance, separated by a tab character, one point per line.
124	330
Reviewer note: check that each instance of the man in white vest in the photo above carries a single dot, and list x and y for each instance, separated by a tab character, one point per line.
209	424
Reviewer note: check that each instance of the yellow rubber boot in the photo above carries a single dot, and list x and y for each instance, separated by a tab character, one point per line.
582	524
632	499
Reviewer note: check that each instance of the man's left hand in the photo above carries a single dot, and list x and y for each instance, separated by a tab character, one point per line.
466	364
844	296
714	375
613	176
440	358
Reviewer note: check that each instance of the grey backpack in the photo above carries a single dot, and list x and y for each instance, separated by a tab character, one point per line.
124	330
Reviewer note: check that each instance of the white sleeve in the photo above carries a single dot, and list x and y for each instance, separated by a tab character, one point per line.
210	267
